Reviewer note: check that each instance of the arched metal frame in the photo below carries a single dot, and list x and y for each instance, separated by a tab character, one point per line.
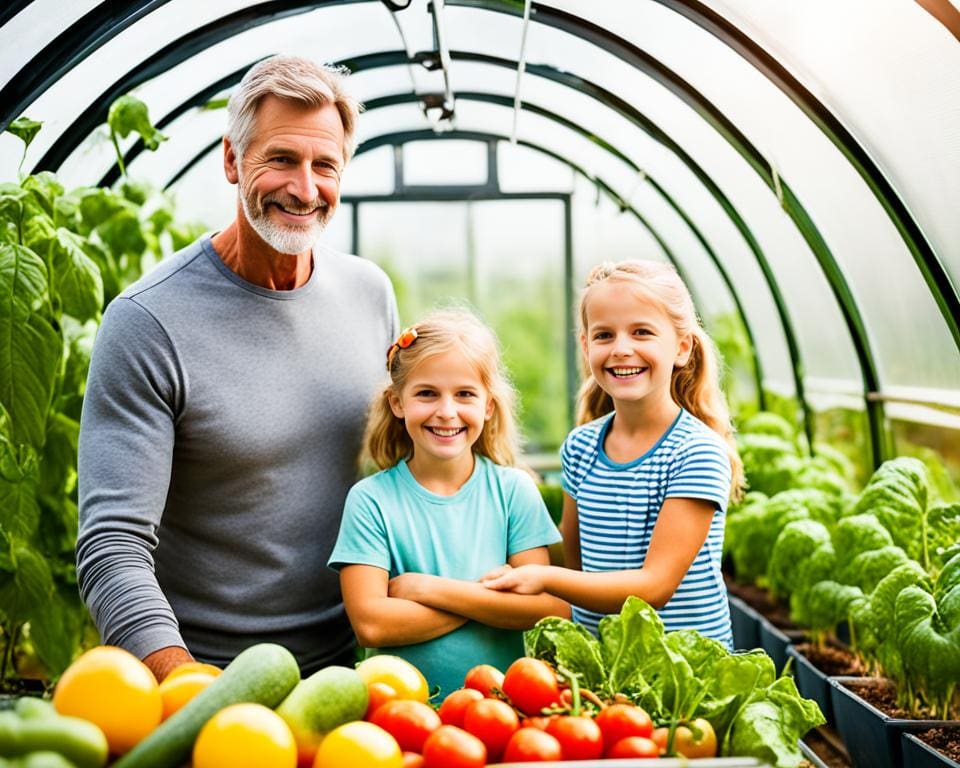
84	36
373	104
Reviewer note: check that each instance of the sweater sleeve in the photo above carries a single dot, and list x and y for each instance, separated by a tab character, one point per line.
130	407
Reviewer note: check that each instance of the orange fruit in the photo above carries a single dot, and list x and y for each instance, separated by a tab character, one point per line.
399	674
177	690
358	744
112	689
245	736
191	667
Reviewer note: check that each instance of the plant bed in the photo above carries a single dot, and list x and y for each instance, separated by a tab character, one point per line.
759	599
813	666
869	721
933	748
746	625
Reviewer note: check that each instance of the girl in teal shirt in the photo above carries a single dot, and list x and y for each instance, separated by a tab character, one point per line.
447	507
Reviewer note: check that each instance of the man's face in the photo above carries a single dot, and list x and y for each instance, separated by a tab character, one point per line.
289	175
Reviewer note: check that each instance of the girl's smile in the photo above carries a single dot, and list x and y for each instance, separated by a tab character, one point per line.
444	405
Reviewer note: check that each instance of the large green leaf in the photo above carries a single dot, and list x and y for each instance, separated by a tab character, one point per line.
45	189
25	129
11	211
30	347
19	511
28	588
55	632
77	278
129	114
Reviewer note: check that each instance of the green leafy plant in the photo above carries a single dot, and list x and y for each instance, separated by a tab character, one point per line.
680	676
63	256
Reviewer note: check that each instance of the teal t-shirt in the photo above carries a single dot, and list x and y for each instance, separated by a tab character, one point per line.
392	522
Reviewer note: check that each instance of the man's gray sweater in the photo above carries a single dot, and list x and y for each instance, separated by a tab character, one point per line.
220	431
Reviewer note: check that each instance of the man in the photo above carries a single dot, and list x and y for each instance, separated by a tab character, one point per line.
226	399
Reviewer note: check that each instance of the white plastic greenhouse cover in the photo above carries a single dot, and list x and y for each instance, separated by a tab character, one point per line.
799	162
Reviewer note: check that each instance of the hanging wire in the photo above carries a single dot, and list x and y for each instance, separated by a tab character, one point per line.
394	7
521	68
445	120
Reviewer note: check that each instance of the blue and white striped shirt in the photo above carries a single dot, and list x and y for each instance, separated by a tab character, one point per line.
618	505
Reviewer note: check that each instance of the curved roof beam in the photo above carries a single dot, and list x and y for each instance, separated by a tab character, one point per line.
202	37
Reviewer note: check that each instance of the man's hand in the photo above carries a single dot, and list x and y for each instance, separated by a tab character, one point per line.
163	662
524	579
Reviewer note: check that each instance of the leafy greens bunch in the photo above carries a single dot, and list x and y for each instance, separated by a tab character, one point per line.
63	256
680	676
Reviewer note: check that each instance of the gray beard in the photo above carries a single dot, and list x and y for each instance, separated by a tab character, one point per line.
284	239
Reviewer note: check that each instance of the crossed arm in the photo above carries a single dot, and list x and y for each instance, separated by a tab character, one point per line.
679	533
416	607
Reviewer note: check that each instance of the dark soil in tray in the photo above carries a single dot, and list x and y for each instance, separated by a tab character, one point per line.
879	693
826	748
831	660
946	740
776	613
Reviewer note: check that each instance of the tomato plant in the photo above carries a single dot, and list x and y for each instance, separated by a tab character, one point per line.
409	722
531	685
455	705
618	721
493	722
531	745
452	747
580	737
484	678
633	746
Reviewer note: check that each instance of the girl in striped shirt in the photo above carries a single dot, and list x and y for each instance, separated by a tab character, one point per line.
648	473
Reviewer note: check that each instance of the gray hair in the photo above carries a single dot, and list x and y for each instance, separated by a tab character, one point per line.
295	79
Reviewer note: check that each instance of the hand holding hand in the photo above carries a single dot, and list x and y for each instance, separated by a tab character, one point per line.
523	580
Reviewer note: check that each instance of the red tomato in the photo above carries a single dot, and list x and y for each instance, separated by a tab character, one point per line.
621	720
580	737
531	685
633	746
531	745
540	723
412	760
453	707
452	747
493	722
378	694
409	722
484	678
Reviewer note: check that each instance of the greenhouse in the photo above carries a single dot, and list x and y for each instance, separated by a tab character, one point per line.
795	165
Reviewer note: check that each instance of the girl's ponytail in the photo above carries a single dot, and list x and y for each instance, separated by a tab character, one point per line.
592	401
695	387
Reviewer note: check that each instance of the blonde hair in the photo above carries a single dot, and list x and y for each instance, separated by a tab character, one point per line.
295	79
387	442
695	386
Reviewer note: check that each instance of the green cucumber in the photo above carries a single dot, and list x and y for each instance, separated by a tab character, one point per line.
262	674
79	741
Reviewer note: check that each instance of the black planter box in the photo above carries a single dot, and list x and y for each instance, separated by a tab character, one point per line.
775	642
746	625
872	738
811	757
917	754
812	683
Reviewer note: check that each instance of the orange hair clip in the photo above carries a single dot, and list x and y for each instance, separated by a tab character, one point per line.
405	339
